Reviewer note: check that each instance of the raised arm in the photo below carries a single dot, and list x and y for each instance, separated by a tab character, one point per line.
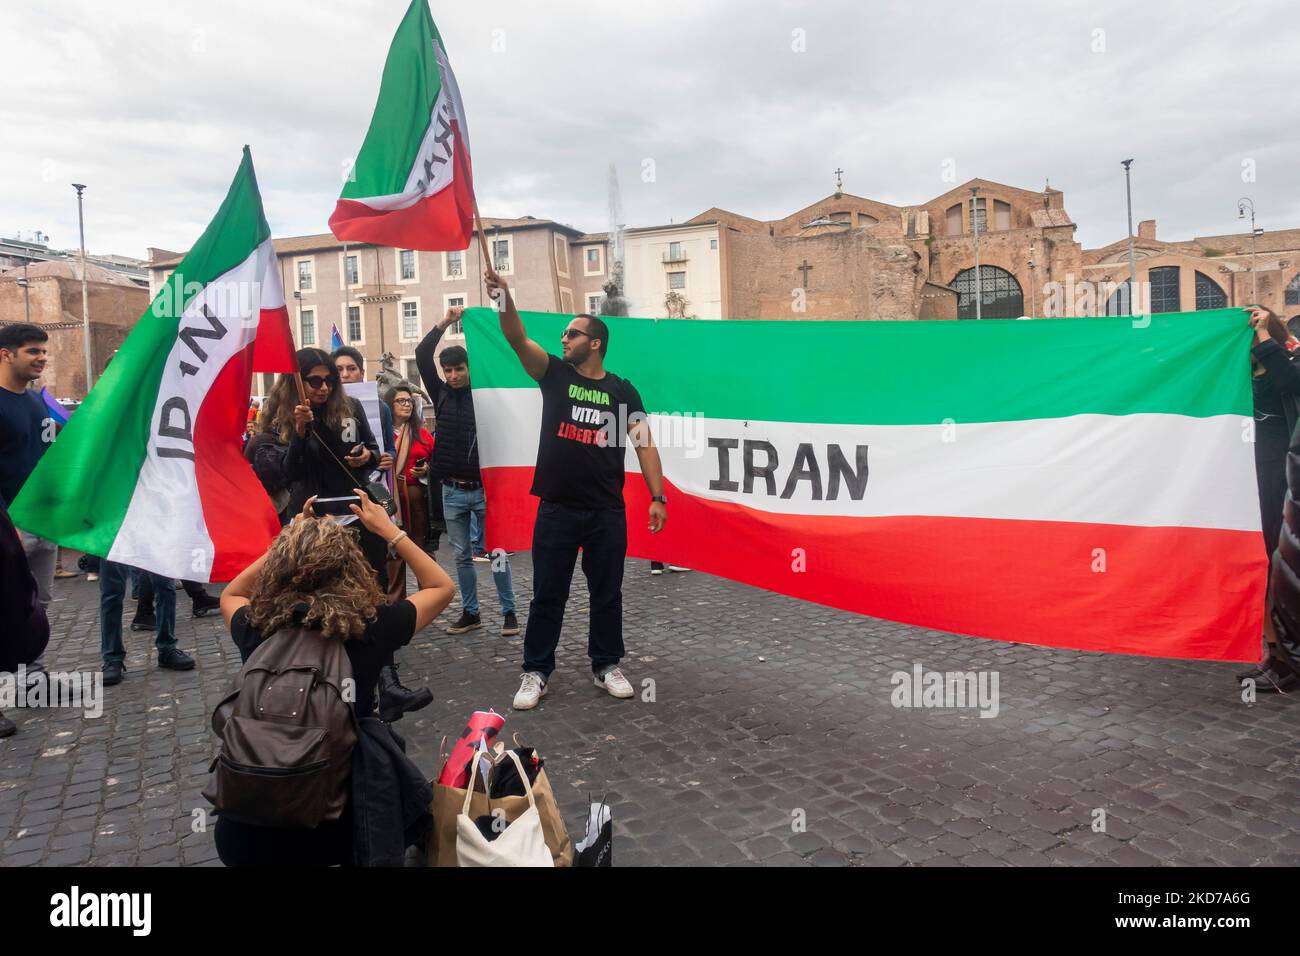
531	355
433	383
435	587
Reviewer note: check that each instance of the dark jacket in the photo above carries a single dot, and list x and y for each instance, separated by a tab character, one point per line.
1284	576
455	453
266	453
24	629
1275	394
311	469
391	799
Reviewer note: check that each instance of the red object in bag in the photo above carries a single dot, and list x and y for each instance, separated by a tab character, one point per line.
483	725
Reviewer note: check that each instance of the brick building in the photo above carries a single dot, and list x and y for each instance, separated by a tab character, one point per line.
848	257
48	294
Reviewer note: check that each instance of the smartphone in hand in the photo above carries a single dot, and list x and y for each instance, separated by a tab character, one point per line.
339	507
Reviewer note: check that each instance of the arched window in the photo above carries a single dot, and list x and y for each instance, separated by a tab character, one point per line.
1001	215
1164	289
952	224
1208	293
1000	294
1293	291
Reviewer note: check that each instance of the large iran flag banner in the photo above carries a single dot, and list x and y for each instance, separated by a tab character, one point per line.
1076	483
411	185
150	471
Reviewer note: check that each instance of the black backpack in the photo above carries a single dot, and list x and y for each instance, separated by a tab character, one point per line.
287	732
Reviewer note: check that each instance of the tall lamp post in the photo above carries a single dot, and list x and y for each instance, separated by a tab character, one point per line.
1243	204
27	305
1132	259
85	295
975	227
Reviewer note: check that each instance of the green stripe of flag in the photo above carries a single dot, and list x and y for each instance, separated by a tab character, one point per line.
906	373
407	92
80	490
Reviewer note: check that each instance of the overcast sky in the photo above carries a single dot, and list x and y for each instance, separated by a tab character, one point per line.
149	102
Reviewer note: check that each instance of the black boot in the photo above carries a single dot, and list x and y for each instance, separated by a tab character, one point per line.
396	700
204	603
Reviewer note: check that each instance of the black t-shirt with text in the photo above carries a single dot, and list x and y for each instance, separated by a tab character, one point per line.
584	433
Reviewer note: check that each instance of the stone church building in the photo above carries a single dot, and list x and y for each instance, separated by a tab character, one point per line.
847	257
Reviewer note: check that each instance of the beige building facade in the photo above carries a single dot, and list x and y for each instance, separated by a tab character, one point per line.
383	300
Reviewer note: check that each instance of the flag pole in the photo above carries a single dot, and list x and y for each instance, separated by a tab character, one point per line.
482	240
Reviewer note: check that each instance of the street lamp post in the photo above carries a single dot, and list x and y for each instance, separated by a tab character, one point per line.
975	227
27	305
85	295
1132	259
1243	204
1033	282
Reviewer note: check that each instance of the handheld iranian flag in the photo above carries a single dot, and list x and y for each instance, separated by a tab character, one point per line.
150	470
411	185
1077	483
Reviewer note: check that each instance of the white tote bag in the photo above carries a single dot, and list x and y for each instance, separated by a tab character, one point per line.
521	843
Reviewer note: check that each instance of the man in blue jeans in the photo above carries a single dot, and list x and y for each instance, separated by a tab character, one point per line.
114	579
454	463
579	479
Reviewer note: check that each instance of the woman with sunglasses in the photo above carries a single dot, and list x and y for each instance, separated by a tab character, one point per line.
412	446
331	449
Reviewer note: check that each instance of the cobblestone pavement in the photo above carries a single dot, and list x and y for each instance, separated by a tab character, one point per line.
771	739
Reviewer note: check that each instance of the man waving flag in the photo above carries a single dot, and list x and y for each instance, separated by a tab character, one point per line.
411	185
149	472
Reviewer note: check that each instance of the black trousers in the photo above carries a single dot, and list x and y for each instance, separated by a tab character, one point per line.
144	591
558	534
243	844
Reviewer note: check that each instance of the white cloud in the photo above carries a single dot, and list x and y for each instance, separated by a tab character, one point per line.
149	103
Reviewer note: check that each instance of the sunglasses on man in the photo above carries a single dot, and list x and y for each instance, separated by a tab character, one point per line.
570	333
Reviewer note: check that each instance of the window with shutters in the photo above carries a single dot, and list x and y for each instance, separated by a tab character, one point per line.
952	221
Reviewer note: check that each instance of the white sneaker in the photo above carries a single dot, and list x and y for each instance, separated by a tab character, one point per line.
615	683
673	567
531	690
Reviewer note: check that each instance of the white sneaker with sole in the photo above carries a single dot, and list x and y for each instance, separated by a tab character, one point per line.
615	683
531	690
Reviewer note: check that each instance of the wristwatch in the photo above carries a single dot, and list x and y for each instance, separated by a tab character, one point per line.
659	498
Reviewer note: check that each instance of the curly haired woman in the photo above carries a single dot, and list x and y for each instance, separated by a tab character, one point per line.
315	576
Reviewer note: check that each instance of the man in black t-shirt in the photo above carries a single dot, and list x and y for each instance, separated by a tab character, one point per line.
579	479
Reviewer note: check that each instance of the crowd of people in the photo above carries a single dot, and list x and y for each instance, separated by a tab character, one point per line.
344	576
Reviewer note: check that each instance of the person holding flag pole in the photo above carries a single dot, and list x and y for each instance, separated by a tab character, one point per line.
156	446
